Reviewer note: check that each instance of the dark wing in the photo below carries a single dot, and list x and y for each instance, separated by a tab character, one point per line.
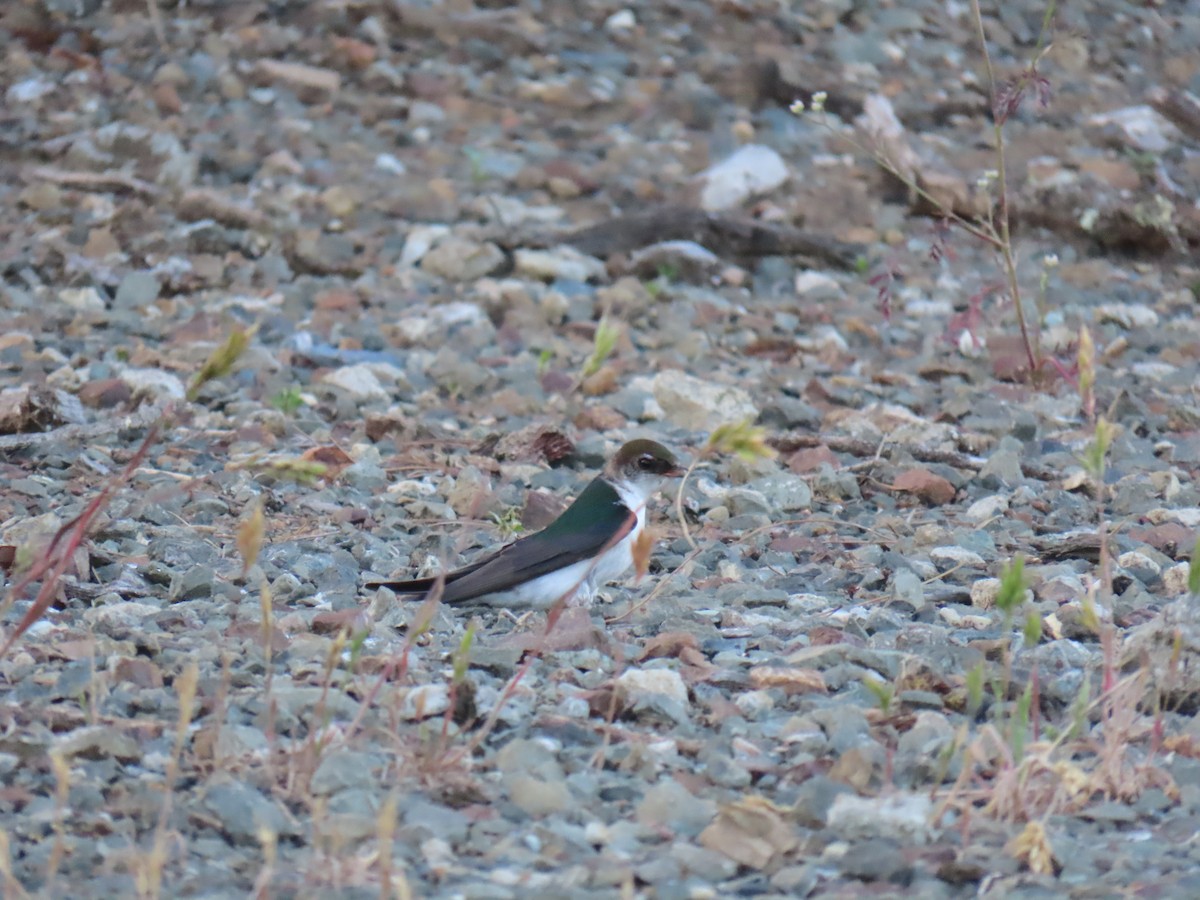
597	519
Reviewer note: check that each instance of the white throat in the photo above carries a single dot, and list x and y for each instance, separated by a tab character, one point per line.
635	493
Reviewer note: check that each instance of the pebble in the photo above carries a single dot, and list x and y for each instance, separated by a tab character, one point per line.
137	290
559	264
906	586
157	384
691	402
306	80
359	381
460	259
898	816
419	240
243	813
647	687
946	558
1127	315
751	171
670	805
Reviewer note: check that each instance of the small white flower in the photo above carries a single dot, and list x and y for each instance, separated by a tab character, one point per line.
796	108
1050	260
986	179
818	101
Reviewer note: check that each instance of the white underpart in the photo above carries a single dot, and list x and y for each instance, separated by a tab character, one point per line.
583	579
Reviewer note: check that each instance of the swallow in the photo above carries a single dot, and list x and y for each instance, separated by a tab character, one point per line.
586	547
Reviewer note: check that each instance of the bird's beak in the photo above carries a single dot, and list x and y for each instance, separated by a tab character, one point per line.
675	471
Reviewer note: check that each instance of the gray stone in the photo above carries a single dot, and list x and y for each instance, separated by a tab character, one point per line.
1003	467
353	814
906	586
904	817
786	492
158	155
450	825
702	862
743	501
294	702
242	811
814	798
700	405
195	583
98	742
459	259
877	859
458	374
236	742
919	753
342	769
539	790
670	805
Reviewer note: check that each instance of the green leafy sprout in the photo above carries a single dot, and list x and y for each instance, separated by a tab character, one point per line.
607	335
288	401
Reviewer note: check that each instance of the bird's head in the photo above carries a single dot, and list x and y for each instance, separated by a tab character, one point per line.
643	464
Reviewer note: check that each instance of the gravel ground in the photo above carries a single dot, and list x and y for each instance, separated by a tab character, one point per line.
433	216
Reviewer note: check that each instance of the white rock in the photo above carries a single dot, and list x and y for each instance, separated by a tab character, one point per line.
1153	370
422	111
155	382
925	307
810	282
970	345
751	171
565	263
986	508
642	685
359	381
86	299
622	20
596	833
693	403
903	816
436	320
811	603
30	89
460	259
949	557
1175	579
386	162
1134	559
1127	315
957	620
419	240
985	591
754	703
124	615
512	211
687	260
822	338
1184	515
1166	483
1144	128
424	701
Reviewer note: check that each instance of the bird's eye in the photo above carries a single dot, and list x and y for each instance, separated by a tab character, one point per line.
646	462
